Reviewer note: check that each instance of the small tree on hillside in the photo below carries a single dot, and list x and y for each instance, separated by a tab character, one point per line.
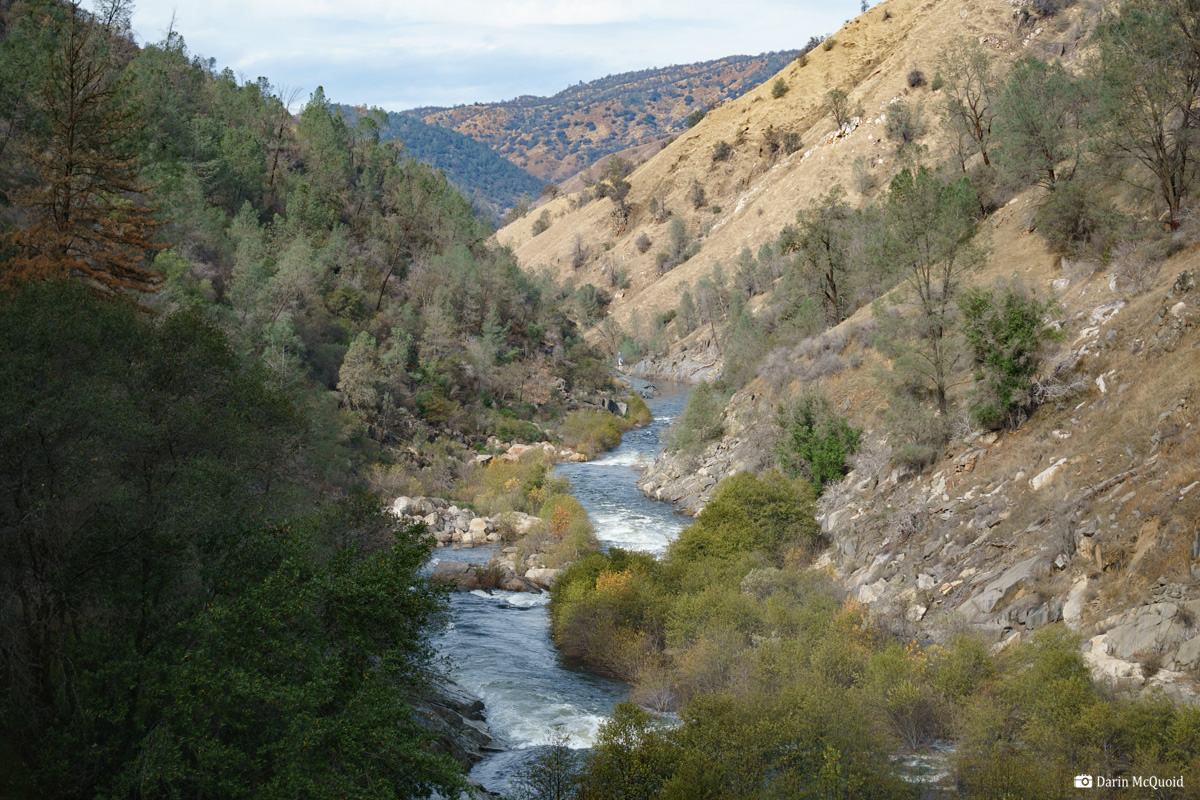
837	104
1006	331
1038	122
970	86
928	227
1149	74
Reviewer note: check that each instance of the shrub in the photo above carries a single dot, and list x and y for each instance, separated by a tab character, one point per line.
591	432
779	88
694	118
749	513
791	142
916	78
700	422
637	413
1073	218
802	58
904	122
816	441
601	599
696	194
542	223
680	247
518	430
938	82
862	176
921	433
642	243
721	151
828	44
1005	330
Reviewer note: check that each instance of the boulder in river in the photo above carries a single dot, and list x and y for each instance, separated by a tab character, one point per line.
469	577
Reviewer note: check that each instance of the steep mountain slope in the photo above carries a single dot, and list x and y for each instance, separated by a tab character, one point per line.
1085	513
750	195
556	137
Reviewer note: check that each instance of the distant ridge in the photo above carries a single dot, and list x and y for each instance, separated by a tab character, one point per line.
493	183
556	137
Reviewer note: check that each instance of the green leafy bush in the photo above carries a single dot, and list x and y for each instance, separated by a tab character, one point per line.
1006	331
700	422
749	513
591	432
518	430
816	441
779	88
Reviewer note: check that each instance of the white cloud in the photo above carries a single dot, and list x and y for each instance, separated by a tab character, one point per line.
443	52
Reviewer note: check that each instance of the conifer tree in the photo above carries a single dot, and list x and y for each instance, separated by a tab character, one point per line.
79	217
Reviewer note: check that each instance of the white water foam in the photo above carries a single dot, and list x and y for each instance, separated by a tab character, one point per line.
514	599
633	531
621	458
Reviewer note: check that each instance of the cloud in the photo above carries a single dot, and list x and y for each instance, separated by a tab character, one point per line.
401	55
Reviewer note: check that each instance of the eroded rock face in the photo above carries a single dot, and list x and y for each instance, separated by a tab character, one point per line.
456	718
688	481
695	364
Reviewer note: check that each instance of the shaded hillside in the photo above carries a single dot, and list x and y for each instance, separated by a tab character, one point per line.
492	182
555	137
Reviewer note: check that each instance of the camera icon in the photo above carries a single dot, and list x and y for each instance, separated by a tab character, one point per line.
1083	781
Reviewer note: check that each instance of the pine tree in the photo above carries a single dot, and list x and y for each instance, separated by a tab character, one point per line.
79	217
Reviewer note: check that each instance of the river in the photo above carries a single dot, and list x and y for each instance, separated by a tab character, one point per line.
498	645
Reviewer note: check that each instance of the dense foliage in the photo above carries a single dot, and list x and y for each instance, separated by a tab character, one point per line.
175	620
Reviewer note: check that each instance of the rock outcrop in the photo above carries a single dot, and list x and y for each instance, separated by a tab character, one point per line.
468	577
687	365
456	718
460	528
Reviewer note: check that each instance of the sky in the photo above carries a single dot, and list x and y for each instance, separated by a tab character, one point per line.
410	53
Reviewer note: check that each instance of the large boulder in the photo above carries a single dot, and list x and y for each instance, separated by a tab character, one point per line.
464	576
542	577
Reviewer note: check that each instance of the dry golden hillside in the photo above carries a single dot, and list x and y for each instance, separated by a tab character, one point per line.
751	196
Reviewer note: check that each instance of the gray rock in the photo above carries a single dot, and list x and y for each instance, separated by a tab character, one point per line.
995	593
542	577
461	574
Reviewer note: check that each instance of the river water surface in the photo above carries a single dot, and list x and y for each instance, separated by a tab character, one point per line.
498	644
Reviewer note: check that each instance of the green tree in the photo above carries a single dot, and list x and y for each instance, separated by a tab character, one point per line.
816	441
631	759
970	85
79	214
169	639
700	422
361	374
323	141
822	241
1039	116
1148	72
553	774
927	241
837	105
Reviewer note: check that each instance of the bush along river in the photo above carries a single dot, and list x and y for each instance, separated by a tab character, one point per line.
498	644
